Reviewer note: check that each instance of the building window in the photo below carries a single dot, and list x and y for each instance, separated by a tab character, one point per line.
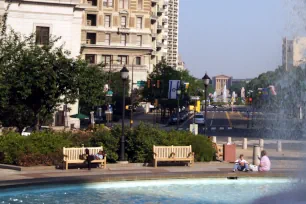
92	2
139	23
123	59
91	20
106	59
123	39
123	21
139	40
108	3
42	35
107	21
139	5
91	59
91	38
138	60
107	38
123	4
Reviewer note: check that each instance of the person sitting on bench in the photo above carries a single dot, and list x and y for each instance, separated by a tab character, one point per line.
99	155
241	164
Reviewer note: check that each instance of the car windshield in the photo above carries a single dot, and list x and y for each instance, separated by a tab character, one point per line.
29	129
199	116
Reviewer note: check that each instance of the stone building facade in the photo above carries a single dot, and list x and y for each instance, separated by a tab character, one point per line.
118	33
220	81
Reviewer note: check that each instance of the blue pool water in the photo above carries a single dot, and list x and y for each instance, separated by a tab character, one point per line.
154	191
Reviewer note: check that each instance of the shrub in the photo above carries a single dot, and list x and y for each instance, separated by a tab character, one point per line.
110	143
39	148
140	141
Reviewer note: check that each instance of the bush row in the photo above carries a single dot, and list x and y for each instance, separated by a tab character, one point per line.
45	148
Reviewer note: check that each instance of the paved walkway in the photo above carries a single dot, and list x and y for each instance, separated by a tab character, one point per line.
288	161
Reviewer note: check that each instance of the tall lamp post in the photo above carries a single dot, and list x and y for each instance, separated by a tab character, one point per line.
206	80
124	73
178	93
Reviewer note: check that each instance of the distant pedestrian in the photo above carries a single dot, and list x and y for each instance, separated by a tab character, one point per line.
89	158
265	164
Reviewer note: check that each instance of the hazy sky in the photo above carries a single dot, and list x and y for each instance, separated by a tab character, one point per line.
239	38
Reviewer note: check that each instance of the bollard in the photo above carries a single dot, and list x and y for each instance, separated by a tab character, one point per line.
229	140
256	155
279	146
245	143
214	139
261	144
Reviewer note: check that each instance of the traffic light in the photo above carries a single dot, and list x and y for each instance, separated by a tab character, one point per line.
149	83
158	84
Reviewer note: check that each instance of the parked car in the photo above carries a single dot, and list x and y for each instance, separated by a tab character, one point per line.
199	119
172	119
28	130
183	116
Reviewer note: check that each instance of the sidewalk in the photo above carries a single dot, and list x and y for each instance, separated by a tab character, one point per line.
283	164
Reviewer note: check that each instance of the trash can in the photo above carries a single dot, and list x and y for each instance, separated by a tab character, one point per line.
229	152
2	156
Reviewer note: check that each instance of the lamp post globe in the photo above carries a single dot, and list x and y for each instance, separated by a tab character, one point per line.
124	73
206	81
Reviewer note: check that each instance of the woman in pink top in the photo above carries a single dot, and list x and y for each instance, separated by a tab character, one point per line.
265	163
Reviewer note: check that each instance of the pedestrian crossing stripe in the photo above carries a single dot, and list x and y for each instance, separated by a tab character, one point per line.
221	128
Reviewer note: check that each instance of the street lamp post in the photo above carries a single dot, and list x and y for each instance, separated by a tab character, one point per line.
178	93
206	80
124	73
132	85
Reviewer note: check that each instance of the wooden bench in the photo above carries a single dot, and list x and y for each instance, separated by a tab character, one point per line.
219	151
74	155
173	153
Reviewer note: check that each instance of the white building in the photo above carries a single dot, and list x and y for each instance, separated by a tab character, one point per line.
172	42
60	18
294	52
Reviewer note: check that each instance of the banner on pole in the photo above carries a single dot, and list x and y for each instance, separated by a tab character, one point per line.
173	86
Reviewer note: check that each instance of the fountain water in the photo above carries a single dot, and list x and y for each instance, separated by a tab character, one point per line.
224	94
215	95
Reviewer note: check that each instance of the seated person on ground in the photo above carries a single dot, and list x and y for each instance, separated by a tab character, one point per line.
241	164
265	164
99	155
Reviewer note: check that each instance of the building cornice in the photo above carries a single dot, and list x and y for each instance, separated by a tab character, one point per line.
54	2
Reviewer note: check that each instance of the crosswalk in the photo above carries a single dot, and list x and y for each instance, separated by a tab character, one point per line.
213	129
222	111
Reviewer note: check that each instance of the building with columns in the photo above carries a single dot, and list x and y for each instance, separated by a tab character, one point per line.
220	81
49	17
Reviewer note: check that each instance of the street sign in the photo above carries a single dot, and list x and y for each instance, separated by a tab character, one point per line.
194	129
195	98
109	93
141	83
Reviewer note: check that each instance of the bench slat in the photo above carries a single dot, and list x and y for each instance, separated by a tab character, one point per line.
173	153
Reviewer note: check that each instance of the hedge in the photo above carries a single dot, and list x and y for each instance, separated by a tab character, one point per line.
45	148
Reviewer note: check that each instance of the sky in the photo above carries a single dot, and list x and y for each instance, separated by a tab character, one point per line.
238	38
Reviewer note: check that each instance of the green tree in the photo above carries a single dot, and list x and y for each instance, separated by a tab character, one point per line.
35	79
91	82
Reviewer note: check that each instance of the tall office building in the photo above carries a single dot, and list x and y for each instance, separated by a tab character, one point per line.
173	19
294	52
118	33
159	29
